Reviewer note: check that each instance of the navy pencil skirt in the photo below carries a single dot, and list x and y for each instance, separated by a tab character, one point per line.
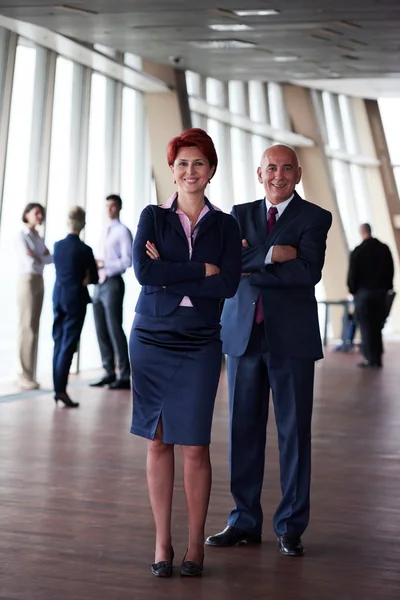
175	365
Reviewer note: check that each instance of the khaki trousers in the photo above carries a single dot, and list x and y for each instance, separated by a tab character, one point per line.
30	301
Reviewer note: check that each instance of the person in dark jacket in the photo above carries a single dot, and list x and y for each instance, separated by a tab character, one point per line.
187	256
370	277
75	269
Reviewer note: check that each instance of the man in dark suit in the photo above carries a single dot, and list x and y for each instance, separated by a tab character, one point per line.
75	269
270	332
369	279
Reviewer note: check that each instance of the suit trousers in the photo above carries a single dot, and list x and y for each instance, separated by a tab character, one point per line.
108	313
30	302
371	312
67	329
250	379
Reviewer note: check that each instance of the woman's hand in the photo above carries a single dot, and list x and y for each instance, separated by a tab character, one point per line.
152	251
211	270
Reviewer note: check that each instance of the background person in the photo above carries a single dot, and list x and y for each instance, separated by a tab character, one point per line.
75	269
115	256
187	256
370	277
32	257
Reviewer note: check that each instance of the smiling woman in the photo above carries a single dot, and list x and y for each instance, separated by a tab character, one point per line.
187	257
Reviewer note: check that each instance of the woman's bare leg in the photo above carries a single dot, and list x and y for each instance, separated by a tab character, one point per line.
197	483
160	480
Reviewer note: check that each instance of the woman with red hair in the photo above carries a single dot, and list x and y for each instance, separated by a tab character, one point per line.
187	257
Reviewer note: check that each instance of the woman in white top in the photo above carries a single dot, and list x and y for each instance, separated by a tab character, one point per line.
33	255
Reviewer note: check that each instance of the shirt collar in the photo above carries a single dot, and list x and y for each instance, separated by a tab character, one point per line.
281	206
112	222
174	203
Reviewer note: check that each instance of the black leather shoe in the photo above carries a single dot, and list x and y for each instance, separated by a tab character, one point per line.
290	545
365	364
189	568
104	381
163	568
232	536
120	384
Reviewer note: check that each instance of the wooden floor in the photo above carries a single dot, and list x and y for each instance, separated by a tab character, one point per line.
75	522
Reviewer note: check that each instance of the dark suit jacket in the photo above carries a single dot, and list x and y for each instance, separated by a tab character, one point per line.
288	296
72	260
371	267
165	282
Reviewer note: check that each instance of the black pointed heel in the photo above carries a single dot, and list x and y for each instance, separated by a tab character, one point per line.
190	568
66	400
163	568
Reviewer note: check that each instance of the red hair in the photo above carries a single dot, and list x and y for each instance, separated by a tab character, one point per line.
193	137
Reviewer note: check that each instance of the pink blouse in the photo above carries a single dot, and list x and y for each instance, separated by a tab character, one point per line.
185	222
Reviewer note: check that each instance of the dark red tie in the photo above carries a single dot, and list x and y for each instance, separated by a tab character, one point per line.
271	220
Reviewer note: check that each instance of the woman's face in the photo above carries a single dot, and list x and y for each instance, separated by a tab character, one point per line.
191	170
34	217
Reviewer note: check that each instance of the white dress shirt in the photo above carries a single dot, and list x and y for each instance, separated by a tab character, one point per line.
115	249
280	207
29	239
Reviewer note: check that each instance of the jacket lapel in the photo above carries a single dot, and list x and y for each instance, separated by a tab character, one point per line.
173	220
260	220
209	220
289	213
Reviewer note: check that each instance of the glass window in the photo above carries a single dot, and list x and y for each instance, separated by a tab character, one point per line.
58	200
390	111
237	97
277	111
15	196
193	84
215	92
133	61
331	121
89	357
258	102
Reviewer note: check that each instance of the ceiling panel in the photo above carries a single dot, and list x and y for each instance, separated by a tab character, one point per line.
328	39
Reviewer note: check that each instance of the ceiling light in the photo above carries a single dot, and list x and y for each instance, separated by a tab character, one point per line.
221	44
74	9
256	13
230	27
285	58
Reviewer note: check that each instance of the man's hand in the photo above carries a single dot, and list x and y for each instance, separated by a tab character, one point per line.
152	251
211	270
283	253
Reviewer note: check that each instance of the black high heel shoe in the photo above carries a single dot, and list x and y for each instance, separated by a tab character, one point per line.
163	568
190	568
66	399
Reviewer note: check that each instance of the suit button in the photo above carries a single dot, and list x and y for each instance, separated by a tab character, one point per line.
253	302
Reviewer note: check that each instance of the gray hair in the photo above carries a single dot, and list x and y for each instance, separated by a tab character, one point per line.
76	219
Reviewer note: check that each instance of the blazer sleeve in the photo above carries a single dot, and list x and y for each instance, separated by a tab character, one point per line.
225	284
306	269
159	272
352	273
91	266
253	258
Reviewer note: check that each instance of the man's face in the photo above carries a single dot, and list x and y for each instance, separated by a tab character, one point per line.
279	173
113	209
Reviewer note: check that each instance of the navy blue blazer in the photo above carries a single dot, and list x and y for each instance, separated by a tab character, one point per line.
166	281
73	259
287	289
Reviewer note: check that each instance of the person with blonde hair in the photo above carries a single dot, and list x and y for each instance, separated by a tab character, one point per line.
75	269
